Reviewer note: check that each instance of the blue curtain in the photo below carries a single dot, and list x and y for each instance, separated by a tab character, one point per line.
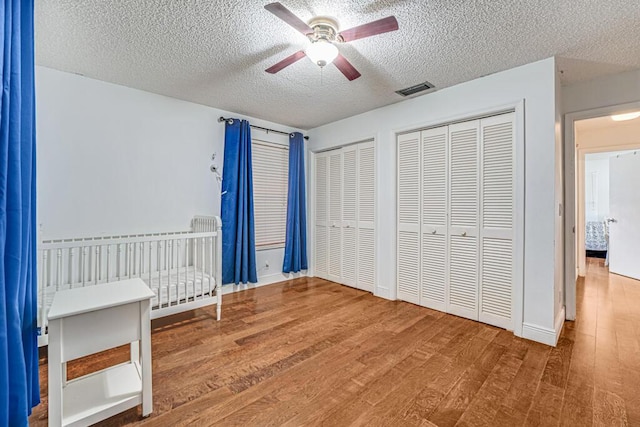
295	247
19	389
238	229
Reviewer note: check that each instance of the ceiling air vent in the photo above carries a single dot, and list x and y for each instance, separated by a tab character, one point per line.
421	87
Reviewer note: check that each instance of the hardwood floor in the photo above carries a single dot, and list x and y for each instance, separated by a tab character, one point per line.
311	352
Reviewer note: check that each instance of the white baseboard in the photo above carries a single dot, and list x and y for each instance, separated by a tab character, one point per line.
262	281
560	322
543	334
383	293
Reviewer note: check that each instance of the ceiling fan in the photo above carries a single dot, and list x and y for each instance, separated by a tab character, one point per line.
323	34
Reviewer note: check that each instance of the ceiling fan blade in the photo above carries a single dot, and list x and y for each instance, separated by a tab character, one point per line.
380	26
287	16
286	62
346	68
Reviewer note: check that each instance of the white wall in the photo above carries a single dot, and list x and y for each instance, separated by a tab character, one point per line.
596	171
535	84
116	160
615	89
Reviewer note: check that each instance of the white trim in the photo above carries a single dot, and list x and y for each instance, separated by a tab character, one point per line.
540	334
383	293
311	212
269	279
462	117
559	323
518	232
570	179
543	334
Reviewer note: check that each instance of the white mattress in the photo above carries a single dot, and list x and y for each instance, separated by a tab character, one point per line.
179	290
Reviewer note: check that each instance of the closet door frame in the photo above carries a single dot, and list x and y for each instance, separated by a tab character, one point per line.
517	106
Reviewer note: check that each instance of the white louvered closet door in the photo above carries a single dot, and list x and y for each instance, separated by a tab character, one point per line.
321	215
366	216
408	250
434	218
497	218
334	270
463	219
349	215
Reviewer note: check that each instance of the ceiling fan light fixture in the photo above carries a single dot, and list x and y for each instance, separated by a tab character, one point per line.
321	52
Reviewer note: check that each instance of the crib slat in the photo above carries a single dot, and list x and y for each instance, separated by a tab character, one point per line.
202	266
174	263
168	269
140	259
194	255
171	242
70	267
94	276
83	260
211	266
150	251
178	259
118	260
108	262
159	269
59	270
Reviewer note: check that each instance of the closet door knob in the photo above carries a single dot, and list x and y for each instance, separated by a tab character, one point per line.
434	231
464	233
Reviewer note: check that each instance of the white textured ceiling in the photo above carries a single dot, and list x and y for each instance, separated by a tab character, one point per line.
215	52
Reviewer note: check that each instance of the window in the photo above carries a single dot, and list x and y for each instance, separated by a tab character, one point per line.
270	186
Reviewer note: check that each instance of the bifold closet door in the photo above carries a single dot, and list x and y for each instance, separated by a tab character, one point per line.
349	215
497	219
321	215
334	268
463	219
433	290
366	216
408	239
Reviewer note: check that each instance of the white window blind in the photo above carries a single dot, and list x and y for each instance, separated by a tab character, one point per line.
270	186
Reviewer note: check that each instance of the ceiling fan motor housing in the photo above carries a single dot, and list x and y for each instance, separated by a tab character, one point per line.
323	28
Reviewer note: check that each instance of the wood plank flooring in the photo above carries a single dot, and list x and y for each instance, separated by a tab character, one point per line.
311	352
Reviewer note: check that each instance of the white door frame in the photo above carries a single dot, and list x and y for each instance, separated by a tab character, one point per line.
572	181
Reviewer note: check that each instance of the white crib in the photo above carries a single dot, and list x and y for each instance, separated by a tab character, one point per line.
183	269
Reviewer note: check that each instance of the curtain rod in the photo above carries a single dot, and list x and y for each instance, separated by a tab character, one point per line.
224	119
